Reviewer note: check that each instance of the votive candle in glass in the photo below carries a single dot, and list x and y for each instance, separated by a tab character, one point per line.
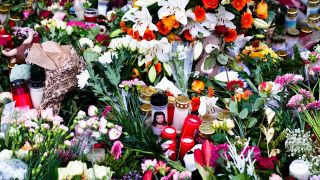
190	125
171	101
291	18
159	103
172	147
20	94
313	7
169	132
90	15
36	93
102	7
181	111
314	20
299	169
278	43
186	144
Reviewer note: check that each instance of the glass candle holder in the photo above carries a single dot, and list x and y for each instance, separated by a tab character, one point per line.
145	109
190	125
291	18
282	54
292	37
145	94
20	93
206	130
102	7
15	21
299	169
159	103
4	10
278	43
90	15
314	20
305	31
169	132
181	111
36	93
186	144
171	101
312	7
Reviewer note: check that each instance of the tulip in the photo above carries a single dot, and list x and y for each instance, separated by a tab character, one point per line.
147	175
202	158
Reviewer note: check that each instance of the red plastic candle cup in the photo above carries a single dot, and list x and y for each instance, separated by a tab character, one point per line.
190	125
90	15
20	94
169	132
186	144
172	147
171	100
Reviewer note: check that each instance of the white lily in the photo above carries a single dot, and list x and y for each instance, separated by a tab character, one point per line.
223	78
174	7
197	29
238	44
147	3
141	18
207	104
222	17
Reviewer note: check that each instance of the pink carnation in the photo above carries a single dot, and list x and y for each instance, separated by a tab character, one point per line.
288	78
314	105
296	102
314	70
116	149
305	93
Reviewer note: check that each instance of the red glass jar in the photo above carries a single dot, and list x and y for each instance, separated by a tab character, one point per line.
171	101
90	15
20	93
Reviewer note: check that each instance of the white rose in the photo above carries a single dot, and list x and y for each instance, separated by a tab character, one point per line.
6	155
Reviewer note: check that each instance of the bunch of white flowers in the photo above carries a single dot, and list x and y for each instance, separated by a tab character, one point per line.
298	144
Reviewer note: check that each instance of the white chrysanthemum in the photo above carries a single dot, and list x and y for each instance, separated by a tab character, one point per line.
86	42
106	58
83	79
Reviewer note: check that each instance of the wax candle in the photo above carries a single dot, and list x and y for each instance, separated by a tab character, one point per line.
102	7
159	103
190	125
172	147
169	133
180	112
313	7
20	93
278	43
4	9
291	18
36	93
186	144
171	101
299	169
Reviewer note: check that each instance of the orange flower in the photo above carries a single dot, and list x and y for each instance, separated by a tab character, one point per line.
163	30
246	94
200	14
149	35
173	37
210	92
134	34
210	4
169	21
262	10
195	103
197	86
239	4
231	35
158	67
187	35
246	20
122	24
135	73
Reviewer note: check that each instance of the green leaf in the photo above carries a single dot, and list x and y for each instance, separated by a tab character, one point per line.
252	122
210	62
241	177
115	33
233	107
223	59
152	74
167	68
258	104
244	113
90	55
219	138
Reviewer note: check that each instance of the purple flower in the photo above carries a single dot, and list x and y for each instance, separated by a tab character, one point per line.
218	151
305	93
296	102
256	151
314	105
116	149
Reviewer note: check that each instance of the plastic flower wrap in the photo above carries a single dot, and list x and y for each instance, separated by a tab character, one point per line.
20	72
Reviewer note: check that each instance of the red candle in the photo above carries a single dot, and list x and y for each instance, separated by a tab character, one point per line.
190	125
186	144
90	15
169	132
172	147
171	101
20	94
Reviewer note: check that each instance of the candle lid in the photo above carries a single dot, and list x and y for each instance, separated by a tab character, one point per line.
223	115
146	92
314	18
145	108
292	12
208	117
282	53
293	32
182	102
313	3
206	130
4	9
306	30
159	99
171	99
17	83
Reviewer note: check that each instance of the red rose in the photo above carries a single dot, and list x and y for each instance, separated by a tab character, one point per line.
267	163
45	14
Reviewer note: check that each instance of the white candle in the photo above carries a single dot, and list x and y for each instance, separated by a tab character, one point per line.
181	111
299	169
102	7
36	96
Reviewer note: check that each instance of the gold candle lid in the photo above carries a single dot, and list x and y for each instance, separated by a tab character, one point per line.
293	32
313	3
171	99
282	53
145	109
223	115
182	102
206	130
15	18
314	18
306	30
146	92
292	12
207	118
4	8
